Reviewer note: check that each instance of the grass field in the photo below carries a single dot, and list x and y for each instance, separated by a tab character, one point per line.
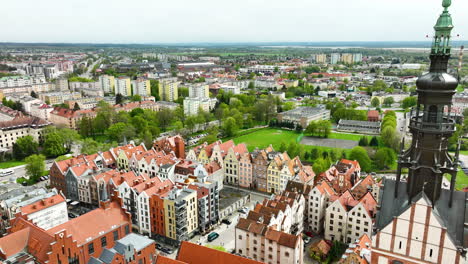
462	180
262	138
9	164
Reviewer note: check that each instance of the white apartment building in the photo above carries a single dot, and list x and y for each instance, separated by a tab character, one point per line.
61	84
318	199
123	86
141	87
347	219
257	241
230	89
24	80
107	83
199	90
193	105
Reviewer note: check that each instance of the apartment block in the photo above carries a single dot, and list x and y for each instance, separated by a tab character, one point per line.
193	105
54	98
168	89
61	84
107	83
199	90
180	213
123	86
141	87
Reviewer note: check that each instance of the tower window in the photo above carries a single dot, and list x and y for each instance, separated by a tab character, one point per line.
432	118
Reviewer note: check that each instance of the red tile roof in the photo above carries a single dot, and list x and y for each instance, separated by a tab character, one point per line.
42	204
89	226
196	254
165	260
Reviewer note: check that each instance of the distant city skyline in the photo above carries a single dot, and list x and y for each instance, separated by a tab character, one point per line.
203	21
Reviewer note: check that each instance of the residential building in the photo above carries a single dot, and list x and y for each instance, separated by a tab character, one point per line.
245	171
260	169
347	218
20	81
175	144
357	57
347	58
317	202
54	98
41	111
373	116
230	89
321	58
61	84
359	251
75	241
274	171
260	242
180	214
231	163
193	105
199	90
304	115
107	83
343	175
335	58
46	213
17	126
79	86
141	87
168	89
131	249
123	86
69	118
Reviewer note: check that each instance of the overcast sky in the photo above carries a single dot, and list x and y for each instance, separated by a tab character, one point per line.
172	21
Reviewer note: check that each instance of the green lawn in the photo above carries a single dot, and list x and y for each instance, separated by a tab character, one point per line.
12	163
462	180
262	138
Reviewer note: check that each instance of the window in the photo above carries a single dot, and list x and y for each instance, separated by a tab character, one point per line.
399	245
430	253
127	229
91	248
240	237
103	241
116	235
286	254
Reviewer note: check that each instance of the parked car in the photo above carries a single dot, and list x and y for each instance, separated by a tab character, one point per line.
159	247
71	215
6	172
167	250
212	236
307	240
226	221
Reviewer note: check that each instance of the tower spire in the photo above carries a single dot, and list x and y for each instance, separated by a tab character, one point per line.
443	29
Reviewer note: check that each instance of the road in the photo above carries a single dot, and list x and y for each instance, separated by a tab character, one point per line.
20	171
87	74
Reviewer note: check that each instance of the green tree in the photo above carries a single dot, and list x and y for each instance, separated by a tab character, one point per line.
24	146
54	145
388	101
282	147
165	117
374	142
375	102
119	98
120	131
69	137
384	158
360	154
363	141
76	107
320	165
230	127
409	102
136	98
35	167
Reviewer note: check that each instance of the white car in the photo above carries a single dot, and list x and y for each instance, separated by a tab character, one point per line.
6	172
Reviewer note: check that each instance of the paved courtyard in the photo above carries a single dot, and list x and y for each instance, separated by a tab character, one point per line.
329	142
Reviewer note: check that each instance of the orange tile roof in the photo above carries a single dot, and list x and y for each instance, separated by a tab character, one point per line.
42	204
165	260
91	224
196	254
14	243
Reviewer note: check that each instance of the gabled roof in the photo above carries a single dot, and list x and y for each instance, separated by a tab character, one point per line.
89	225
196	254
165	260
42	204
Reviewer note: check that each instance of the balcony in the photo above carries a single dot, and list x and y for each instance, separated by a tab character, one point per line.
448	125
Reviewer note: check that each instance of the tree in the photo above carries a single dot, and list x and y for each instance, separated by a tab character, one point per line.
118	98
230	127
388	101
165	117
409	102
120	131
154	84
320	165
76	107
375	102
24	147
363	141
136	98
54	145
148	139
384	158
69	137
282	147
374	142
35	167
34	94
360	154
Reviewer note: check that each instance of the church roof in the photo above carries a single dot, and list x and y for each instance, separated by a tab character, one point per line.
452	218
